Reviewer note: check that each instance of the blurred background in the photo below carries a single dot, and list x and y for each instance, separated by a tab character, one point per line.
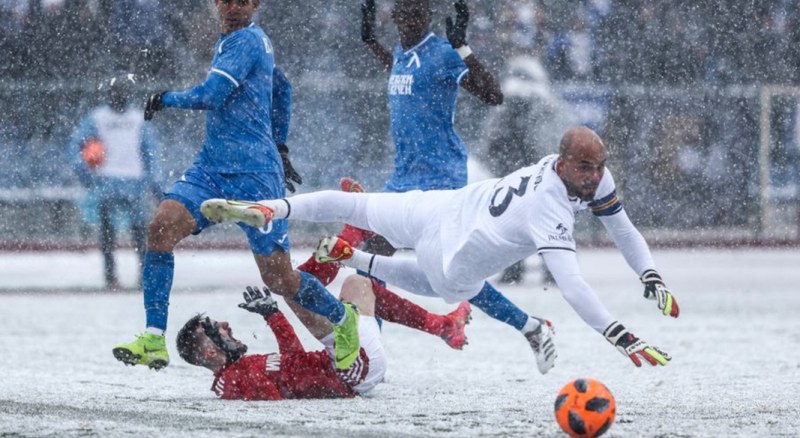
697	102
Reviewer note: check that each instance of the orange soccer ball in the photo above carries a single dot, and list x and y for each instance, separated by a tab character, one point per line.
93	153
585	408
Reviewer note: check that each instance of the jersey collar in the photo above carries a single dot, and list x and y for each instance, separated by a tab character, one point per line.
417	46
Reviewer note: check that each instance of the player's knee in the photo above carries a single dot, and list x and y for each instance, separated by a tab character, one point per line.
283	282
171	223
358	290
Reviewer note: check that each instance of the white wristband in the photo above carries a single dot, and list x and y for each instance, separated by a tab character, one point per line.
464	51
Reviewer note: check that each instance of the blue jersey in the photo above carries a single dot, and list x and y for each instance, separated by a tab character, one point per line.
239	133
422	101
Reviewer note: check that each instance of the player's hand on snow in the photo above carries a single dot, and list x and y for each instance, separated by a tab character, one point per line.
259	302
368	21
636	349
289	174
655	289
457	32
153	104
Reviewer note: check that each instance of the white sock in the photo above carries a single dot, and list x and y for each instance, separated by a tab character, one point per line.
361	260
280	207
154	331
531	325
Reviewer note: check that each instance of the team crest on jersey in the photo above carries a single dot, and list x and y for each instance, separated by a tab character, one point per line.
400	84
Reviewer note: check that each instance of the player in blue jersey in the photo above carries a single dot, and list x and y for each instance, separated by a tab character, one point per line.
247	102
426	71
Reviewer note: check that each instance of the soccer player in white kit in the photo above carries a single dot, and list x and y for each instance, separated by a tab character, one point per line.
464	236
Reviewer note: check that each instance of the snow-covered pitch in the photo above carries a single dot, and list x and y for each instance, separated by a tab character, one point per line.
735	348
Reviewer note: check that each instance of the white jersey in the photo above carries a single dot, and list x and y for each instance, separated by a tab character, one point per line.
121	135
490	225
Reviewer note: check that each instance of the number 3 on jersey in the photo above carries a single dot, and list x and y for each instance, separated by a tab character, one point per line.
496	209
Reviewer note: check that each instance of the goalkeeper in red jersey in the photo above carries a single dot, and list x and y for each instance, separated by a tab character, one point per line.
292	372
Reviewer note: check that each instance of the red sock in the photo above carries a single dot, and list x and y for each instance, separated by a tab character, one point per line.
325	272
354	236
393	308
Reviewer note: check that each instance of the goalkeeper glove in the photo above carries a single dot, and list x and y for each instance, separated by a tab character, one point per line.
153	104
257	302
655	289
629	345
457	32
368	21
289	174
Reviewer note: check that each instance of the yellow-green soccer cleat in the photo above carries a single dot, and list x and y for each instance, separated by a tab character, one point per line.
148	349
345	338
224	210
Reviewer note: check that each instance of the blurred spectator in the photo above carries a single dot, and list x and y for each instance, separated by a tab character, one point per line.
525	128
113	153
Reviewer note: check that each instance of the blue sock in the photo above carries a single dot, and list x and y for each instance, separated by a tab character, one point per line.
157	283
496	305
313	296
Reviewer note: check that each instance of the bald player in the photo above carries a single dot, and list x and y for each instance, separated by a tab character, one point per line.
462	237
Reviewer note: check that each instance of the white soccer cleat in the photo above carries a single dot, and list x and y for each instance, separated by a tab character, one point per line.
249	213
332	249
541	341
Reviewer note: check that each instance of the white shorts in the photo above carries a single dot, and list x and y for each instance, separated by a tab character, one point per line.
413	220
371	356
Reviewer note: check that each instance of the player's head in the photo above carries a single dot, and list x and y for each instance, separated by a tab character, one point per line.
236	14
205	342
581	162
120	88
413	18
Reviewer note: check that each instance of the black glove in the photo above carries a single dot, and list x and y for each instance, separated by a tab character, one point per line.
153	104
457	33
257	302
289	174
368	21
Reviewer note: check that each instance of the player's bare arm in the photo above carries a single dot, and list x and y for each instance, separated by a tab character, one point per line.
479	81
383	54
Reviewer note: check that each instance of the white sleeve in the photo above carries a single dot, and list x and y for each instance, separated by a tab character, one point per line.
629	241
564	267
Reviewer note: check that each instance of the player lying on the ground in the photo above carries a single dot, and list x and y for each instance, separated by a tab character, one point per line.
292	372
464	236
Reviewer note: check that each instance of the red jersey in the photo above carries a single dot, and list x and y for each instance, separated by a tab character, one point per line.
291	373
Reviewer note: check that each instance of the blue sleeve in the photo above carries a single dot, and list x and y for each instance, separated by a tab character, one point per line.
209	95
85	130
453	67
281	106
237	56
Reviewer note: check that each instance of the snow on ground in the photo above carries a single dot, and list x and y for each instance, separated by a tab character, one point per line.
735	348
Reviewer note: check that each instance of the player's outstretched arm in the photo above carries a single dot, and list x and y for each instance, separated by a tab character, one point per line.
368	34
265	305
636	252
479	81
633	347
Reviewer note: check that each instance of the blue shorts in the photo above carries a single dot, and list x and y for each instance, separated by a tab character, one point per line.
197	185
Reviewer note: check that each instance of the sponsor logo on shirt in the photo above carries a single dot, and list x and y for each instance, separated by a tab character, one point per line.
273	363
561	234
400	84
